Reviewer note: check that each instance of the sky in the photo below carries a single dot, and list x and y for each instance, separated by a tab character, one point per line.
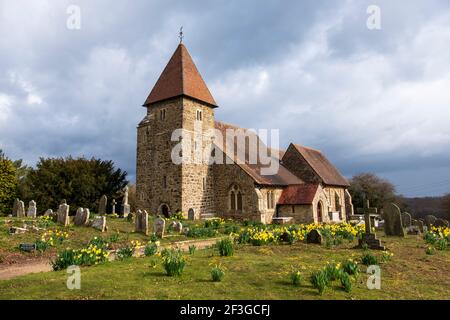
373	100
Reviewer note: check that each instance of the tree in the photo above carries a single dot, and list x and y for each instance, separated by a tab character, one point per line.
446	205
369	186
81	182
8	184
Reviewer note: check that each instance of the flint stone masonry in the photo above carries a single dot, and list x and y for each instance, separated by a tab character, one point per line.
393	221
99	223
63	215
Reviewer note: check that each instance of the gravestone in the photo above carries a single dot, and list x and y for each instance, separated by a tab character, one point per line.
27	247
314	236
176	226
191	214
368	238
99	223
15	207
406	220
141	222
49	213
82	217
113	203
125	205
130	217
441	223
102	205
21	210
419	225
17	230
63	215
393	221
31	212
430	220
159	227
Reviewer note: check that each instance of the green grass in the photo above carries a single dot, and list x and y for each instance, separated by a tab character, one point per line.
251	273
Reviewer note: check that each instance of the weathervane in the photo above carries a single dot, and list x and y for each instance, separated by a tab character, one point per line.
181	35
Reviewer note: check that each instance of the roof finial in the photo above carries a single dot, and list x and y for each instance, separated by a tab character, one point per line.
181	36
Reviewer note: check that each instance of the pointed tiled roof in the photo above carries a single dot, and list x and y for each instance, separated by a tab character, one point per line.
180	78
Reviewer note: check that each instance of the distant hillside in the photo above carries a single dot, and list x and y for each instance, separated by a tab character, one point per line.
420	207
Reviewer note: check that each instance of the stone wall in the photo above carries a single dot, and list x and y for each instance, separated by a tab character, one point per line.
300	213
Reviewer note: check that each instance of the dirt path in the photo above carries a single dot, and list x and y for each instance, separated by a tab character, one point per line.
44	265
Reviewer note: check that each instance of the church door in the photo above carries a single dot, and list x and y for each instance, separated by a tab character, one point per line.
165	211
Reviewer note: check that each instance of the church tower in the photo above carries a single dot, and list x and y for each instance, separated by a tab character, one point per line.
180	99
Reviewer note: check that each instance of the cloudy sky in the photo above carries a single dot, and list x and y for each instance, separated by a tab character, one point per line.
372	100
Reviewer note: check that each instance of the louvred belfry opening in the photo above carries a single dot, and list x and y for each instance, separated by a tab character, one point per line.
180	78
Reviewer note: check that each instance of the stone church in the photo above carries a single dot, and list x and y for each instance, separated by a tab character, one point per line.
306	186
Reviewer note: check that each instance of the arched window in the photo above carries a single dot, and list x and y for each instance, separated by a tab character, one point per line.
239	201
270	200
337	204
232	200
319	212
235	199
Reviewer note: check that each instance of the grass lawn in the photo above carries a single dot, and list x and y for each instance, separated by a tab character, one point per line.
252	273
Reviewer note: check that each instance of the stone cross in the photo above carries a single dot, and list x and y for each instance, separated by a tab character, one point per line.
368	213
125	205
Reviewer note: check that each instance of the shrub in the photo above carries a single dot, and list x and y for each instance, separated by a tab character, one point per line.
346	282
217	273
173	262
214	223
350	267
226	248
125	252
202	233
296	277
151	249
319	280
231	229
177	216
192	249
369	259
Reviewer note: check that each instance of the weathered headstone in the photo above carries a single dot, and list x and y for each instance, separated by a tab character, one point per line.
141	222
393	221
430	220
130	217
191	214
49	213
32	210
21	210
27	247
99	223
368	238
113	203
63	215
419	224
176	226
314	236
159	227
125	205
82	217
15	207
406	220
441	223
102	205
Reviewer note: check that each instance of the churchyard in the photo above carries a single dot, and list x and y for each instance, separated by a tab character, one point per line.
136	257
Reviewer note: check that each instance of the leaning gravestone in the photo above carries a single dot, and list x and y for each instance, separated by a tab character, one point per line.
102	205
393	225
314	236
141	222
48	213
430	220
63	215
82	217
441	223
159	226
21	210
406	220
15	207
32	210
99	223
419	224
177	226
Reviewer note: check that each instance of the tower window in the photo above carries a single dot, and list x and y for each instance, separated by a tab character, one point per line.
199	115
165	182
162	114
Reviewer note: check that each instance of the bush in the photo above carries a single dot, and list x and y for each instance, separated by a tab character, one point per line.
177	216
202	233
346	282
350	267
173	262
8	185
226	248
217	274
319	280
214	223
125	252
296	277
192	249
151	249
369	259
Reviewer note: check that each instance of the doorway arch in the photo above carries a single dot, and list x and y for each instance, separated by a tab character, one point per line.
164	210
319	212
